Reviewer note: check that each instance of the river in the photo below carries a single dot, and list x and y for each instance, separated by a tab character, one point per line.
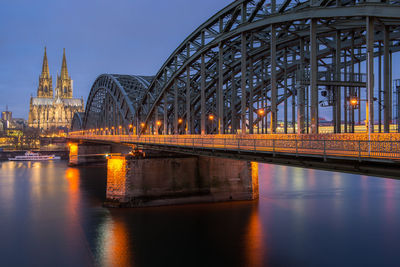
52	215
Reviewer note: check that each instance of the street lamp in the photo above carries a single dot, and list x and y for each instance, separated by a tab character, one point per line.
180	121
211	117
354	102
261	112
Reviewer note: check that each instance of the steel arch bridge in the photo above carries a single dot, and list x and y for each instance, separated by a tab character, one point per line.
256	61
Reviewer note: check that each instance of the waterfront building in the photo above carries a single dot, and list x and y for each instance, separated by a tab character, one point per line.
50	111
7	122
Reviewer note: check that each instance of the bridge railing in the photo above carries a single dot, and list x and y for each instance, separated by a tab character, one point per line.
337	148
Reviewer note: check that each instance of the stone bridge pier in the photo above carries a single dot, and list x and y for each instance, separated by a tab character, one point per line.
84	153
135	181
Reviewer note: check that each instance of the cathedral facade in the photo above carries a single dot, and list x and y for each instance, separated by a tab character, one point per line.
50	110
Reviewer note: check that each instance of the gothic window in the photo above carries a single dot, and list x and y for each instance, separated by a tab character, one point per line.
45	89
65	89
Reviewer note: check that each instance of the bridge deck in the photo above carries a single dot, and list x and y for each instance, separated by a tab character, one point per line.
349	149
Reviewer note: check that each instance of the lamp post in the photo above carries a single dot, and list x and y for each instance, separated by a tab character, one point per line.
130	129
158	123
211	117
180	121
261	113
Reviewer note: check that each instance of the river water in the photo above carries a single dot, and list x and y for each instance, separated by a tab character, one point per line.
52	215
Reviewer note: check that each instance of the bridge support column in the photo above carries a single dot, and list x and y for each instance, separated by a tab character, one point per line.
386	81
243	83
301	98
313	77
140	182
274	88
370	74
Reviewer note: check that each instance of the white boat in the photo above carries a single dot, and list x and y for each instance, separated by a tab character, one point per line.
29	155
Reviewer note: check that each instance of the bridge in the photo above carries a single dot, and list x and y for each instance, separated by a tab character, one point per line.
252	83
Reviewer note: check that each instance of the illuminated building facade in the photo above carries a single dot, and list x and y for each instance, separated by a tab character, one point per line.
48	111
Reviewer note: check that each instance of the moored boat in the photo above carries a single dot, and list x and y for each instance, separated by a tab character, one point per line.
32	156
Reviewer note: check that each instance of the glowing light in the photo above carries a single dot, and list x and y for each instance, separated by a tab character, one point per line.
73	149
261	112
158	123
354	101
130	126
143	124
116	175
211	117
72	176
180	121
120	127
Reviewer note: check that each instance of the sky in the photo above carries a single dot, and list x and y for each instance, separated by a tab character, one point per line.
100	36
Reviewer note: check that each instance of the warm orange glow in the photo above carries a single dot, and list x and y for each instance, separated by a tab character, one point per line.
72	176
354	101
180	121
143	124
254	179
158	123
261	112
254	239
131	126
211	117
73	153
116	176
73	149
101	129
112	128
119	245
120	127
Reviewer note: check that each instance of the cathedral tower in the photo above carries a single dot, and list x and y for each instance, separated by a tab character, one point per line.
45	89
48	112
64	82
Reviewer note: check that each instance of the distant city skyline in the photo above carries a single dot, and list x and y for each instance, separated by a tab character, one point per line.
122	36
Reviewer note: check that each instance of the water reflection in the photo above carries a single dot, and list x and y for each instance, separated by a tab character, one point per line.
303	218
255	239
114	245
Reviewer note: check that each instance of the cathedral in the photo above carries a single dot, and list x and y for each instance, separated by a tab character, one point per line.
47	110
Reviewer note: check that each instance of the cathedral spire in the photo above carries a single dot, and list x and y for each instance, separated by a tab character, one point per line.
45	67
64	69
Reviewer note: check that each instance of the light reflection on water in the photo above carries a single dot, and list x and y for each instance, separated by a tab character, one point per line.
52	215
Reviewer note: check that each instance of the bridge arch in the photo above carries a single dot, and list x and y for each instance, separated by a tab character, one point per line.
77	121
113	100
259	56
256	62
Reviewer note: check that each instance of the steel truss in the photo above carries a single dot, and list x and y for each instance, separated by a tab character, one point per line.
257	61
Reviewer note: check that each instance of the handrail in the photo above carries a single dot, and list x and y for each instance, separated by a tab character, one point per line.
340	148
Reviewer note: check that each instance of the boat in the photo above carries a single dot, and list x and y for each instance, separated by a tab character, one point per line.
32	156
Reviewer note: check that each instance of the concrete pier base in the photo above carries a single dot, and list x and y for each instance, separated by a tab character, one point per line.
143	182
83	154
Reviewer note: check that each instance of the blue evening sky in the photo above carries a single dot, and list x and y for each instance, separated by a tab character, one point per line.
100	36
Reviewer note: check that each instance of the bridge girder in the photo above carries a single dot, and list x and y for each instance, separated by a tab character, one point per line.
231	68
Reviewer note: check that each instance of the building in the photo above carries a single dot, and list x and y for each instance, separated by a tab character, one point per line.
7	122
50	111
6	115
